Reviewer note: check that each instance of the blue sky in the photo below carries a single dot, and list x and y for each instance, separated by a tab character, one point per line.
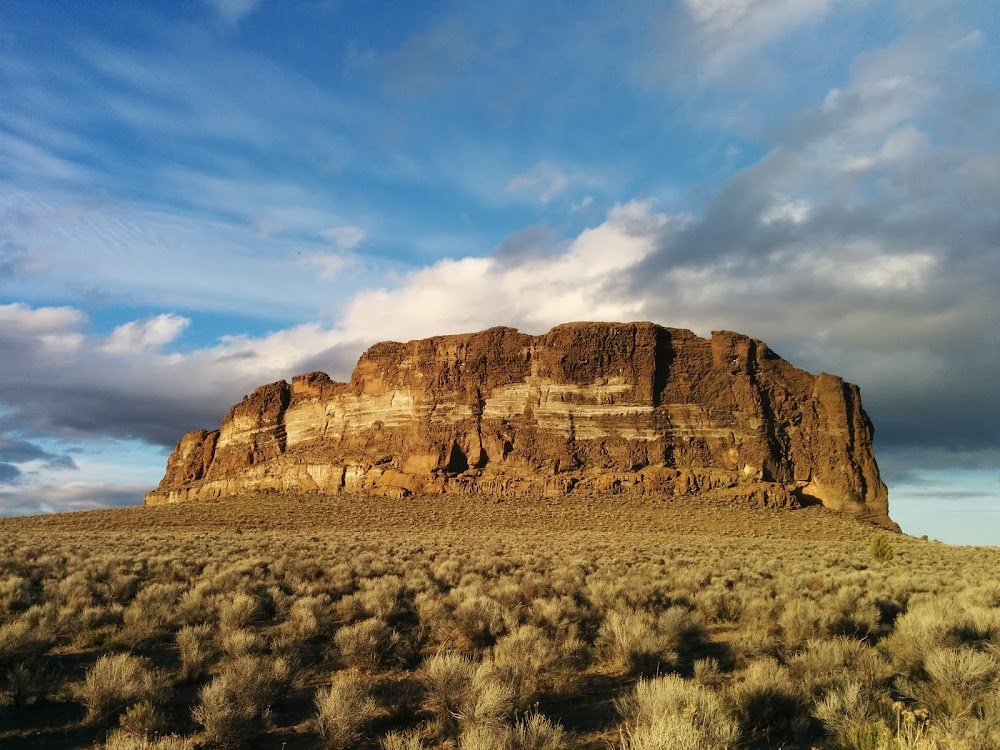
200	197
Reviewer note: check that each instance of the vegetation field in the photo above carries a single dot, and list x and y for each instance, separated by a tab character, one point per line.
594	623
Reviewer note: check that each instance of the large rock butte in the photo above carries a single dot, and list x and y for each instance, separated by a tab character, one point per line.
599	408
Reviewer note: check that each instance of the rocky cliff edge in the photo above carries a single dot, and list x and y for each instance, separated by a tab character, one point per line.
586	408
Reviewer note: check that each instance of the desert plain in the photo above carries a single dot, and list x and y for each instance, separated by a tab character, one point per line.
456	621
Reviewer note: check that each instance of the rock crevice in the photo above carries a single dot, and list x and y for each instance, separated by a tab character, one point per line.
586	407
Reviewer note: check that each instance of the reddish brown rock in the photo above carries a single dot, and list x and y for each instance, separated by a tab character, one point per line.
586	407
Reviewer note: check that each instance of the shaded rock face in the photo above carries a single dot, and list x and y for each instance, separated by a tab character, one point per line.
586	407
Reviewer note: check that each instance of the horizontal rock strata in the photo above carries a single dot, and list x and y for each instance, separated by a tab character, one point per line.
586	407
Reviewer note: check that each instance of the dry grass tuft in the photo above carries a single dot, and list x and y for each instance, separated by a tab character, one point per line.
670	713
343	708
116	682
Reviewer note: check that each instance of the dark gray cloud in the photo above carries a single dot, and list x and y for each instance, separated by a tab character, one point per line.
866	242
59	383
15	450
909	464
158	416
537	241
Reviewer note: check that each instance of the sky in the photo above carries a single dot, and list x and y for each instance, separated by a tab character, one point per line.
201	196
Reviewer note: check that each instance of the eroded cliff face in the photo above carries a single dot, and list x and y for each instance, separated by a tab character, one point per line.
586	407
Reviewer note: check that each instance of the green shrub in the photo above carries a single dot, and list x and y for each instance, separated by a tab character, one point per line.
880	548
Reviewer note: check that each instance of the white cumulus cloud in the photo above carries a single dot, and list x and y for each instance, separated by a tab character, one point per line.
467	294
20	318
145	335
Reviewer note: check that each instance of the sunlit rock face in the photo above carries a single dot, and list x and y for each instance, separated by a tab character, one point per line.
584	408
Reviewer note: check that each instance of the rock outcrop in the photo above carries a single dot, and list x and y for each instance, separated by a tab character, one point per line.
584	408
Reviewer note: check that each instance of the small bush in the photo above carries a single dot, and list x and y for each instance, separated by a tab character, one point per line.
409	740
142	720
536	732
827	664
153	608
15	593
485	738
447	680
706	672
309	619
639	642
225	722
123	740
802	620
239	611
240	642
479	622
489	702
851	715
194	642
26	683
532	664
958	682
880	548
20	641
767	703
116	682
343	708
366	644
233	707
670	713
934	624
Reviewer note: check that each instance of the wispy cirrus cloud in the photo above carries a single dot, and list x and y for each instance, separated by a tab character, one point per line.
545	181
732	31
346	237
234	11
